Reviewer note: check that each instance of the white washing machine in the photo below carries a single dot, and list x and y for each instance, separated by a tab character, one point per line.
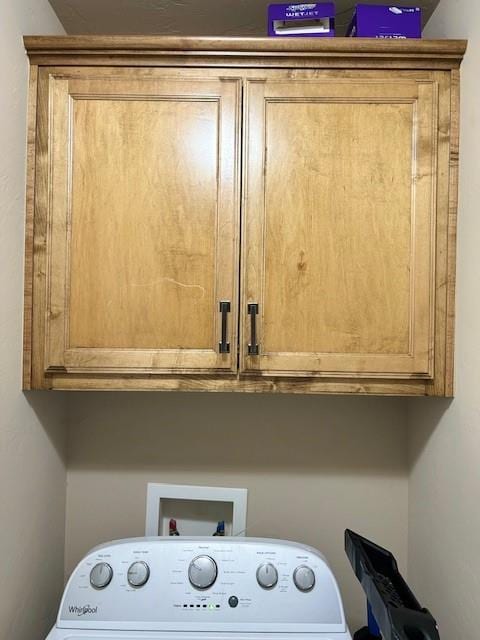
201	589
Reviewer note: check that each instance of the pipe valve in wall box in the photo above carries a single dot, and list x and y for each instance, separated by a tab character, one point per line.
302	20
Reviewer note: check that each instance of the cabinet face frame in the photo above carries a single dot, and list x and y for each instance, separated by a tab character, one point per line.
63	92
243	59
262	96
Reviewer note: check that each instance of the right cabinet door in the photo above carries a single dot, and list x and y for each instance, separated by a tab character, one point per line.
339	225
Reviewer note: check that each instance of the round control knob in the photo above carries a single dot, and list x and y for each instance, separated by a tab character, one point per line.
202	572
101	575
138	574
267	576
304	578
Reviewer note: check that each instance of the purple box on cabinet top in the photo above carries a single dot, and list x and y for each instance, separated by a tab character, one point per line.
380	21
302	20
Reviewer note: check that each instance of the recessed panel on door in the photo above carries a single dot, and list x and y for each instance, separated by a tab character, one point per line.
339	227
143	225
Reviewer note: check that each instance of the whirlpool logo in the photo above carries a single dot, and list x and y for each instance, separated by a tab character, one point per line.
85	610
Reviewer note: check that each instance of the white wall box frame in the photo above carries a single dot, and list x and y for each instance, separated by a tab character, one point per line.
197	510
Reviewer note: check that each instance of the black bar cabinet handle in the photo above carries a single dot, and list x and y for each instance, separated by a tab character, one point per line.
253	349
224	346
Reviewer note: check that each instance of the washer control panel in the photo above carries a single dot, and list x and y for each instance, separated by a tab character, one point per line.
203	584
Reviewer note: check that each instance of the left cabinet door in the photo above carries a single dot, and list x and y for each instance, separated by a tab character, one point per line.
141	223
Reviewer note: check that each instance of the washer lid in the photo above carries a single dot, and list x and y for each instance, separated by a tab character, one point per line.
63	634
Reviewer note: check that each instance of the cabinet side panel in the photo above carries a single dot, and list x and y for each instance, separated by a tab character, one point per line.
452	231
42	189
445	236
29	229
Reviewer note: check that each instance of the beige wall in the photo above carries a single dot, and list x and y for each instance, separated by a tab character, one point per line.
32	470
313	466
444	514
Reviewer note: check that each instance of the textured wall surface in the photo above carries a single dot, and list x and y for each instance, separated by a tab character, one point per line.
188	17
32	434
313	466
444	520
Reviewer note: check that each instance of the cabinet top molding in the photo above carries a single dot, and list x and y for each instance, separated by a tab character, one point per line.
191	51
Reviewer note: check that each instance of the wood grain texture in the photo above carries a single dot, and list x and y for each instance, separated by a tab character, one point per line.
256	52
357	46
327	262
342	62
142	259
445	237
250	384
143	225
338	225
257	61
29	228
42	204
452	232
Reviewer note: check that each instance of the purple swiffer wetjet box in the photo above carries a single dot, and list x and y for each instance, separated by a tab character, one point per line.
381	21
305	20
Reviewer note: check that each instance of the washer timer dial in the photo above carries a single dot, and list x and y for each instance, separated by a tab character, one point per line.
304	578
138	574
202	572
267	576
101	575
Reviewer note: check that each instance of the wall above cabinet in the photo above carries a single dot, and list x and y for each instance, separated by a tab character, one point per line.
241	214
202	17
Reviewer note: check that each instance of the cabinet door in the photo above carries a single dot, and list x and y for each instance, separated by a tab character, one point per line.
339	225
142	223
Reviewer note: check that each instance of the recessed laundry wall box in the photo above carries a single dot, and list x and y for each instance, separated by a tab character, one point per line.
196	510
242	214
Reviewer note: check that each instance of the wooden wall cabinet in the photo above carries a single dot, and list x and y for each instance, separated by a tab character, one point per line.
241	214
